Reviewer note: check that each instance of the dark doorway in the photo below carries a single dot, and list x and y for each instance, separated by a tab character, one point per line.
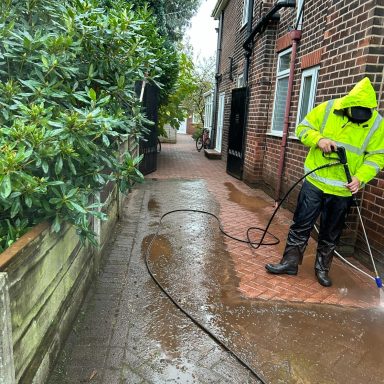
235	157
148	145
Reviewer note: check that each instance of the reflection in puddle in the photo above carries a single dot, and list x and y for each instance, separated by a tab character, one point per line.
248	202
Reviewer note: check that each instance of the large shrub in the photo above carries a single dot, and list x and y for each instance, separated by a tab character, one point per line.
68	71
173	110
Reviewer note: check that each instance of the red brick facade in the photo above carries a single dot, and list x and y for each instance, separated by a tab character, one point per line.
345	39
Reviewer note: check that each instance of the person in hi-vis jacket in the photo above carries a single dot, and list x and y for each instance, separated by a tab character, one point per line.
353	123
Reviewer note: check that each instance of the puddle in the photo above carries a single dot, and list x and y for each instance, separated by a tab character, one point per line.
153	206
251	203
286	342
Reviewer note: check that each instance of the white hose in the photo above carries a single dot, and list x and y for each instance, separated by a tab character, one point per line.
349	263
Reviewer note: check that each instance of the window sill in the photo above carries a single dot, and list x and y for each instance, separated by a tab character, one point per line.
274	134
243	26
280	134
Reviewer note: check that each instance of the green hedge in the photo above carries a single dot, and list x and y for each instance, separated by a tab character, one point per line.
67	76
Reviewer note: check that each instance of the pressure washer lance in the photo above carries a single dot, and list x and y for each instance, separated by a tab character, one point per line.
343	160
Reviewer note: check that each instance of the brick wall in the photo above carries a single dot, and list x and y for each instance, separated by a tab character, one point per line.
231	48
259	113
346	39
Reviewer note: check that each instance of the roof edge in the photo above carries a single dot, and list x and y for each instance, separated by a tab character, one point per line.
220	5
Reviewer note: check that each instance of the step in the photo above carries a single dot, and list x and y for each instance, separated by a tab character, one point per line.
212	154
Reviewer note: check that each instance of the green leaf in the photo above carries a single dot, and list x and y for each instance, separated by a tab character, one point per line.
77	207
92	94
15	208
56	224
28	201
104	100
55	182
6	186
44	61
72	192
71	166
45	166
121	81
106	140
90	71
59	165
80	97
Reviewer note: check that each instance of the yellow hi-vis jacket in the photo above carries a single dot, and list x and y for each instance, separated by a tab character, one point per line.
364	143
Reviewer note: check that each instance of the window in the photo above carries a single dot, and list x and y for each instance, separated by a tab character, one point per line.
283	63
299	22
240	80
245	13
208	101
307	92
196	118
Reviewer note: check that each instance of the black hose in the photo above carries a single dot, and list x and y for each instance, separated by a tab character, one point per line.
257	375
191	317
265	231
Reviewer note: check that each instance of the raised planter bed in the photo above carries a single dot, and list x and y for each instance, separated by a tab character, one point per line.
46	276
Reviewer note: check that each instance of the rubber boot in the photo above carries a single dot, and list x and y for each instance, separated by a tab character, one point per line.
324	257
288	265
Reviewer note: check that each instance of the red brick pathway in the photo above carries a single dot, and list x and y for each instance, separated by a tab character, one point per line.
242	207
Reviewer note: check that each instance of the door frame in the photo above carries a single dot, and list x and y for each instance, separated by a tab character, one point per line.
220	122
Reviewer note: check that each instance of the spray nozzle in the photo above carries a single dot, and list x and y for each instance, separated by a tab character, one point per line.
342	155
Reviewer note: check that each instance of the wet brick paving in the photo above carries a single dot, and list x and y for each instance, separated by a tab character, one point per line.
284	328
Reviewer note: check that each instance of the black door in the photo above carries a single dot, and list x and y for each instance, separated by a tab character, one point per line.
235	157
148	146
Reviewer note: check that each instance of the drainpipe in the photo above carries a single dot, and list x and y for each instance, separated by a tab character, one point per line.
217	80
247	64
271	15
248	52
295	36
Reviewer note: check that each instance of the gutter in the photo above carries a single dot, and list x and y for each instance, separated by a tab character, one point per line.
219	8
263	22
295	35
247	64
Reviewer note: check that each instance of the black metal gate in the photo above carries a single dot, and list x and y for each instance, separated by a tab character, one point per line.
148	146
235	157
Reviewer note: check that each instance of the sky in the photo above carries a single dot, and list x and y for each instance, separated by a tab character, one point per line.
202	34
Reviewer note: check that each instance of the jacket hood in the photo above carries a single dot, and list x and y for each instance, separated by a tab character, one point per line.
362	95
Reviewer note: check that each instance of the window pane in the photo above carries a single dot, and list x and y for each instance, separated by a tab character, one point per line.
299	4
245	12
284	62
305	97
240	81
279	107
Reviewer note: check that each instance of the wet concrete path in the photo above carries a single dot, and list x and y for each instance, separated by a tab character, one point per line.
129	332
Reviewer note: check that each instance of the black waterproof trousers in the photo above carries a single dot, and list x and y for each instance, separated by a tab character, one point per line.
311	203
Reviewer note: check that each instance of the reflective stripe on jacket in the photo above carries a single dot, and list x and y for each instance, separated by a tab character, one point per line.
364	143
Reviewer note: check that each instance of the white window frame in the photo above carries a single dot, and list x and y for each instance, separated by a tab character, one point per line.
208	102
244	20
220	122
310	72
279	76
299	4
